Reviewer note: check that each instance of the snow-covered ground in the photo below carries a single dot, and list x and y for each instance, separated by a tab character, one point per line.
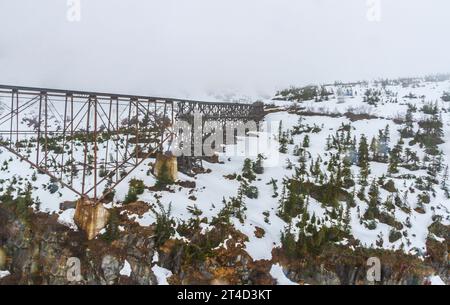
211	188
4	274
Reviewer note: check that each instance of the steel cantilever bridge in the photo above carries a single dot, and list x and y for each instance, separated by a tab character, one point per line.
91	141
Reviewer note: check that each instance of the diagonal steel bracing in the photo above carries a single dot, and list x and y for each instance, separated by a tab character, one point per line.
90	141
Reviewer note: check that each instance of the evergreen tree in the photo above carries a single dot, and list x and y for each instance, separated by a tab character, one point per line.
247	170
164	227
329	144
395	158
408	130
347	174
374	197
258	167
411	159
280	130
316	169
363	152
283	143
363	161
292	203
273	182
374	148
288	242
306	141
386	135
444	183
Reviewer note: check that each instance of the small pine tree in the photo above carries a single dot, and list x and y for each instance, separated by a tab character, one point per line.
258	167
328	145
306	141
283	143
247	170
280	130
374	198
136	187
374	148
164	227
395	158
444	183
112	229
288	242
363	161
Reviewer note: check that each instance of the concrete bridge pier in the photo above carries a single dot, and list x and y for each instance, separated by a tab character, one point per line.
91	217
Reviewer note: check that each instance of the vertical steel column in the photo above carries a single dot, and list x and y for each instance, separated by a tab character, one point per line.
117	145
39	129
12	119
72	140
17	119
128	130
109	134
162	128
83	183
95	147
136	147
64	136
45	129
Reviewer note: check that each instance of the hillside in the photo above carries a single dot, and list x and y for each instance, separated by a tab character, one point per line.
339	173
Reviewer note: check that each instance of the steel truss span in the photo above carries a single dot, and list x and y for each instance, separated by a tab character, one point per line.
91	141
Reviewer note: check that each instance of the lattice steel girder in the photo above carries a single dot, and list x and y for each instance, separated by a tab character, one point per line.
91	141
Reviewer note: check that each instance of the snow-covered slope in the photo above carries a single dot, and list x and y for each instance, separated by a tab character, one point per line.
411	220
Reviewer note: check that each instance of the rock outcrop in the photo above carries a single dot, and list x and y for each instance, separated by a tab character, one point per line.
338	265
39	250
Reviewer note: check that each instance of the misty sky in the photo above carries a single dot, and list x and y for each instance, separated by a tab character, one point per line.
189	47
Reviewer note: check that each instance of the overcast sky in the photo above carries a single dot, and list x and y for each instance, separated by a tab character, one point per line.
188	47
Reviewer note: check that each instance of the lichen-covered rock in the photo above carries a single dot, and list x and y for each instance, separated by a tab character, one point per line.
111	269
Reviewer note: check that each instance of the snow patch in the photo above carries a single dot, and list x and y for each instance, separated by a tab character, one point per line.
277	273
161	274
126	270
4	274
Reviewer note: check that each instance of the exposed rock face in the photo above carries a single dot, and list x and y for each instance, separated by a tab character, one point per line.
341	266
39	251
229	264
170	163
438	256
90	217
111	268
